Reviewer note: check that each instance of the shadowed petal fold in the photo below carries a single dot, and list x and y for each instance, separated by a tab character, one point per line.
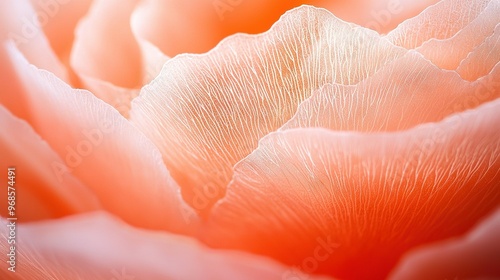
19	22
475	256
40	193
206	112
100	247
370	196
100	147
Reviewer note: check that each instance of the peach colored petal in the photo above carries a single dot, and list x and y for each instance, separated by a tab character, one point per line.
106	49
439	21
118	97
101	148
371	197
20	23
98	246
176	27
379	15
482	60
39	194
109	59
206	112
153	59
61	17
450	52
397	97
476	256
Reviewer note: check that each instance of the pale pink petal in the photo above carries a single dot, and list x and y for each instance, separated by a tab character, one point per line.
397	97
206	112
475	256
20	23
448	53
38	192
439	21
100	247
368	197
100	147
482	60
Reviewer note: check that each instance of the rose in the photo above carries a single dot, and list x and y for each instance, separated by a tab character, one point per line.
349	204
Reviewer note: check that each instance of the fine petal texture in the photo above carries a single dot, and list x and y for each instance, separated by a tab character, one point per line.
439	21
176	27
207	112
40	194
370	196
19	23
448	53
482	60
100	247
100	147
395	98
476	256
118	97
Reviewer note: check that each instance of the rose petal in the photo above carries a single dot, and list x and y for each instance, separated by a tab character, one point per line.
482	60
448	53
379	15
60	18
98	246
20	23
106	49
207	112
114	76
100	147
152	59
397	97
176	27
39	195
367	197
476	256
439	21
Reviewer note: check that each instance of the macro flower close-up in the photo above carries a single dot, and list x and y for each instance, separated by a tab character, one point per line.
235	139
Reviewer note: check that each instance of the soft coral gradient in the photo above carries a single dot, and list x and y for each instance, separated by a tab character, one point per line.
378	148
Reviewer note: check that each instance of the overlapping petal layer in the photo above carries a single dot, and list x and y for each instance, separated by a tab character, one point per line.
482	60
110	60
448	53
99	147
372	195
207	112
20	23
440	21
38	191
100	247
476	256
60	18
395	98
106	49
